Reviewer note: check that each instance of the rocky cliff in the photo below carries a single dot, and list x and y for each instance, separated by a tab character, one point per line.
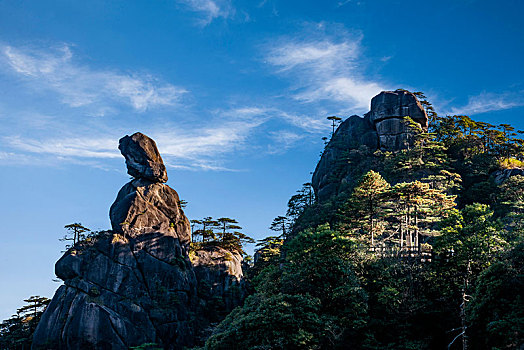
136	284
383	127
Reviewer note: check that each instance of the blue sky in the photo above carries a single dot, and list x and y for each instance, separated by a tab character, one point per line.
234	92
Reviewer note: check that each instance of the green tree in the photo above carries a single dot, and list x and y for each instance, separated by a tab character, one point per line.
417	208
367	204
17	331
470	239
318	303
195	233
227	224
511	198
270	322
75	233
300	201
496	308
208	229
280	224
334	121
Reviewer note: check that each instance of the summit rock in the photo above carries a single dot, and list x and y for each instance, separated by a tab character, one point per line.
143	160
387	113
383	128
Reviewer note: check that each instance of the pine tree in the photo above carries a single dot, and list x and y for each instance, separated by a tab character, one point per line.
75	232
511	198
368	201
17	331
195	233
417	208
470	238
280	224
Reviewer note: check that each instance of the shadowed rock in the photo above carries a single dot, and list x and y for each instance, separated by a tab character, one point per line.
397	104
220	277
142	158
500	176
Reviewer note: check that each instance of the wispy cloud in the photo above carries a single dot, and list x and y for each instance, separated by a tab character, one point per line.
209	9
79	85
324	66
489	102
209	146
200	139
283	140
82	147
205	147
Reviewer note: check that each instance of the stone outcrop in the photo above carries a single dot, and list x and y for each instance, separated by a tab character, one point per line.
136	284
221	285
383	127
500	176
142	206
143	160
387	112
222	271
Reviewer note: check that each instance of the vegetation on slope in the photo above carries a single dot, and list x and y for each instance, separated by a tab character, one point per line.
423	252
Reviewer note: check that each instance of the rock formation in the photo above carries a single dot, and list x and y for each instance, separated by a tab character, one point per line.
387	113
383	127
143	160
500	176
136	284
221	286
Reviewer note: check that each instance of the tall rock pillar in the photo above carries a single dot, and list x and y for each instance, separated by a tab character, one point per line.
132	285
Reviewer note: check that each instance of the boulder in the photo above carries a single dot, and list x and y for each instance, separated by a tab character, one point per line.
221	285
397	104
142	206
143	160
352	134
119	293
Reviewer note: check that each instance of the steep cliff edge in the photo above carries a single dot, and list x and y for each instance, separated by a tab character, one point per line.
136	284
383	127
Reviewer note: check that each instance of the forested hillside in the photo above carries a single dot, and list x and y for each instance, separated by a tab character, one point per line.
420	247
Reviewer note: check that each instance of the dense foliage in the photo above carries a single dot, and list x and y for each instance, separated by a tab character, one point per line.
223	232
422	251
17	331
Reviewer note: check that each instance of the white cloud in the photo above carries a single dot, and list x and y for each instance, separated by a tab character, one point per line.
81	86
324	67
283	140
489	102
191	147
209	9
199	146
82	147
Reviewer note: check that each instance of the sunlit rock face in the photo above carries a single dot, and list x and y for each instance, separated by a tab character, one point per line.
143	160
383	127
142	206
136	284
220	277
